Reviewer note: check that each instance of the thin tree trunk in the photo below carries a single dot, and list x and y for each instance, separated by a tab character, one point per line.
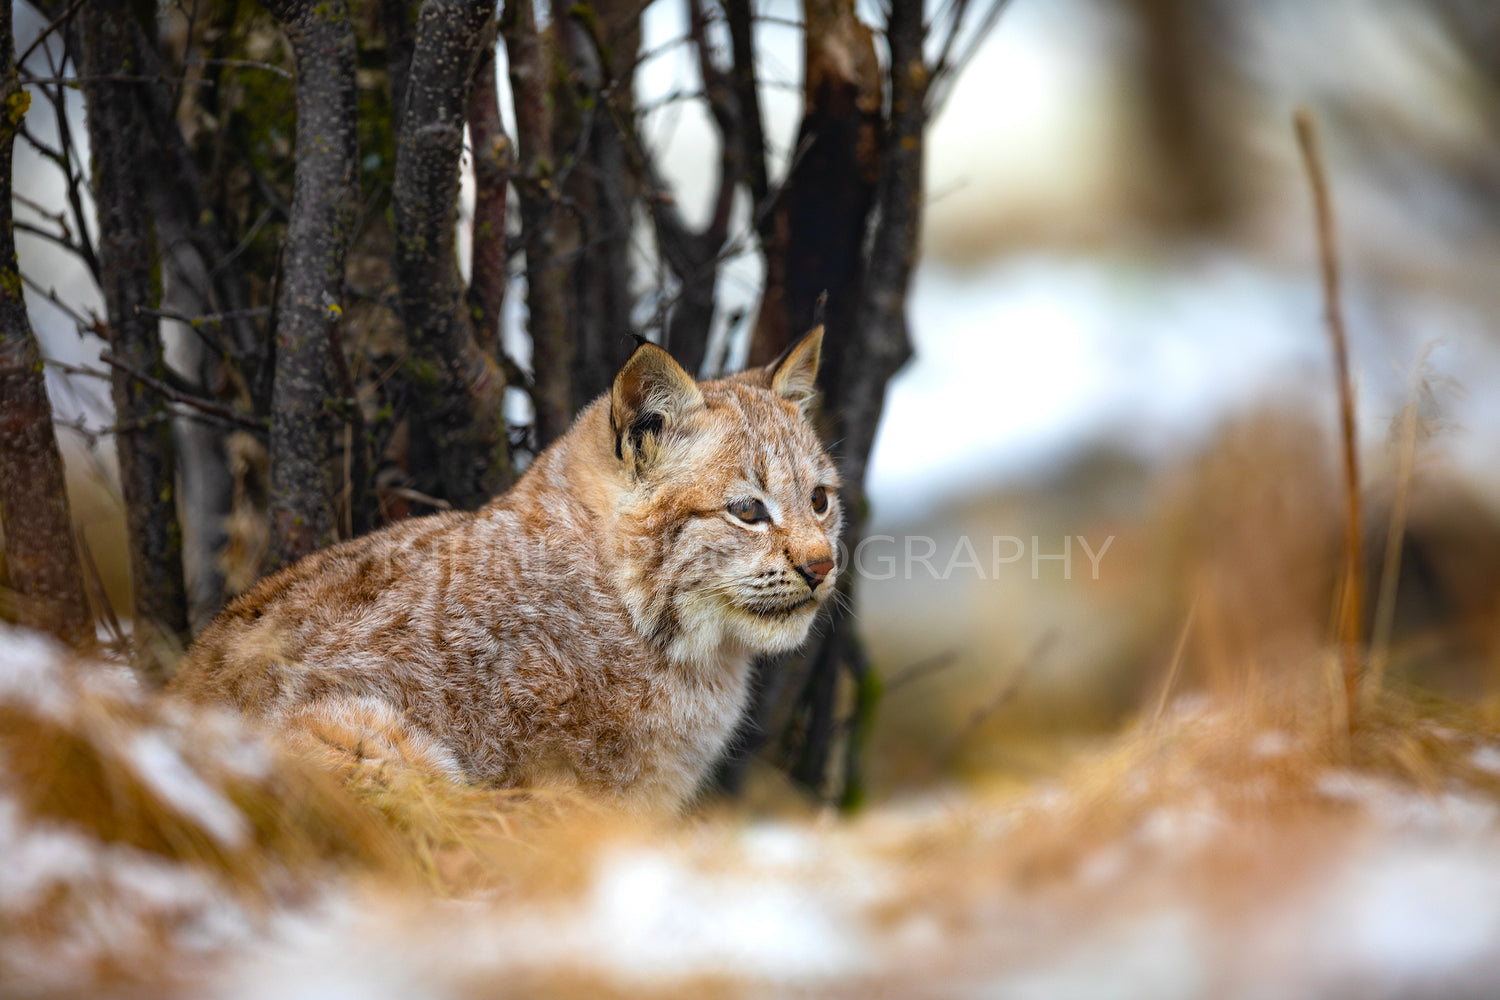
308	393
493	156
457	419
798	700
229	359
856	381
694	256
127	257
741	17
822	213
41	561
597	52
553	345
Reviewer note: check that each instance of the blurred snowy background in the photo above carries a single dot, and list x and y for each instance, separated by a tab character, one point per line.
1119	338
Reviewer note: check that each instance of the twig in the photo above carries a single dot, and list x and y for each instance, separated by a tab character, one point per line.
1175	666
71	369
60	239
214	318
1000	700
96	590
93	434
65	146
176	395
243	245
41	37
944	75
959	8
249	64
407	493
922	668
65	81
1351	614
84	325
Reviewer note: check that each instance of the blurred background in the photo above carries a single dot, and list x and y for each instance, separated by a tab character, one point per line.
1119	342
1119	335
1108	483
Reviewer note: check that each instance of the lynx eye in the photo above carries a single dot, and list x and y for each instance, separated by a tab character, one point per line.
820	500
750	511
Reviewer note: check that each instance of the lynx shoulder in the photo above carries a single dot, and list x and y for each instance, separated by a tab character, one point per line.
594	625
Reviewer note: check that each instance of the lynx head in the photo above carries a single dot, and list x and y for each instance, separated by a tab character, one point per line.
728	514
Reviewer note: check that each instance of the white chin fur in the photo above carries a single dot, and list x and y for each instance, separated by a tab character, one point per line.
709	623
774	635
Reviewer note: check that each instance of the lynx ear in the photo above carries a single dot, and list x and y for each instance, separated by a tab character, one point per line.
650	392
794	375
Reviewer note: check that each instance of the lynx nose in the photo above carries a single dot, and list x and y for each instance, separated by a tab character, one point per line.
816	572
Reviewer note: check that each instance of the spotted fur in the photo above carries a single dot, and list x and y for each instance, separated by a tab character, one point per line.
594	625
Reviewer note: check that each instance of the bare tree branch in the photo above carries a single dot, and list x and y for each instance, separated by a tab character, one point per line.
694	256
855	380
61	20
179	394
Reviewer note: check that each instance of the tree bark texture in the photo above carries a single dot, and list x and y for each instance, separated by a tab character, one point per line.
127	259
457	418
309	401
41	561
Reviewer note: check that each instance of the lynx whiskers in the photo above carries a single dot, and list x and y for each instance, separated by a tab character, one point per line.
594	625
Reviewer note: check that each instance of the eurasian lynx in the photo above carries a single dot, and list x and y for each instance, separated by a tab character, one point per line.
595	624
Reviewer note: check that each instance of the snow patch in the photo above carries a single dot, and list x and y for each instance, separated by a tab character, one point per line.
1395	807
1487	758
1414	911
162	769
649	912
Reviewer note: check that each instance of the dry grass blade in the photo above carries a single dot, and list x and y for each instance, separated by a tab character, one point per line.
1176	665
1351	606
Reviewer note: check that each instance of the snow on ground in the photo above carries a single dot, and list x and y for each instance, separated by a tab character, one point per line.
1201	858
1399	897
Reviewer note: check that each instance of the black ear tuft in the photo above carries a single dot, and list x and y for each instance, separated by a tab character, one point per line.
650	391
